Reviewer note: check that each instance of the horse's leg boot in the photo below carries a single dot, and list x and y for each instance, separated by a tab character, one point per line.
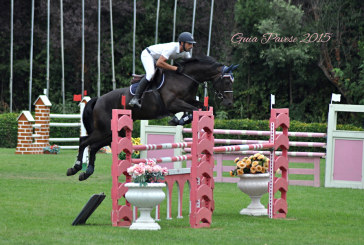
174	121
88	173
135	100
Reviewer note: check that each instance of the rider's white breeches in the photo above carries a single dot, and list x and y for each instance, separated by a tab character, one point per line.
148	63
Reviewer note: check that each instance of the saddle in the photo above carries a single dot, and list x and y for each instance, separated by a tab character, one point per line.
155	83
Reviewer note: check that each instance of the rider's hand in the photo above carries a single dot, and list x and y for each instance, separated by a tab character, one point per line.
179	69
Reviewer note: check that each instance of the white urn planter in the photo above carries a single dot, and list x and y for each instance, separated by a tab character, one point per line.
254	185
145	198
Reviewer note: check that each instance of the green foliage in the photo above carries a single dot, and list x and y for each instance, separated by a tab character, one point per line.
8	130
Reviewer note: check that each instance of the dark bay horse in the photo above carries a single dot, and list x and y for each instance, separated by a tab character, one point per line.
178	94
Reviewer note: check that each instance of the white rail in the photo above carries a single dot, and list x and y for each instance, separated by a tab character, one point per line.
77	116
68	147
63	139
65	124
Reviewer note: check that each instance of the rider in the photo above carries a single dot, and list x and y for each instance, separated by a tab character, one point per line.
157	55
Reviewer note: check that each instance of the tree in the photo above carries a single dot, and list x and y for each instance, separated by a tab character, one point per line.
339	58
281	35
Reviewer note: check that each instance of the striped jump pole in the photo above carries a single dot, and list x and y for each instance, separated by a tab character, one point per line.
243	147
161	146
163	159
261	133
290	153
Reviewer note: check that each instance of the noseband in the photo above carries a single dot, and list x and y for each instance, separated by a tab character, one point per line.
220	94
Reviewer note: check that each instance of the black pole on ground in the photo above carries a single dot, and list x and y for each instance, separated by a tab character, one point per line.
89	208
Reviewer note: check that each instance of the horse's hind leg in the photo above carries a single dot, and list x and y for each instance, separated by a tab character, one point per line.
93	150
78	164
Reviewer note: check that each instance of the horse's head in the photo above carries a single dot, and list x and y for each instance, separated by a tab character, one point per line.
223	85
206	68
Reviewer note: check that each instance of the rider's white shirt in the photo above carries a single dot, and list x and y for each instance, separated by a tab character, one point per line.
168	50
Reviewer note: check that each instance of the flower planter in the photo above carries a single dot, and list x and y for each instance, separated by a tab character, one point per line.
145	198
254	185
47	152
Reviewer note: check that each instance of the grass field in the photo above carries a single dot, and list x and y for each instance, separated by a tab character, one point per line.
38	203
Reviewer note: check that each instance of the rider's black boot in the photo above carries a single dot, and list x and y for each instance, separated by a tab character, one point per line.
135	100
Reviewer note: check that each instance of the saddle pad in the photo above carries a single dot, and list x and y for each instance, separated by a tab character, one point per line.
134	86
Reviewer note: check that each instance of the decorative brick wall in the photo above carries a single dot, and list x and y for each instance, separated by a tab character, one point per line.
42	118
29	142
25	132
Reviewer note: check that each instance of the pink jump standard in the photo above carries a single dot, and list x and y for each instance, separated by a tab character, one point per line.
200	178
278	206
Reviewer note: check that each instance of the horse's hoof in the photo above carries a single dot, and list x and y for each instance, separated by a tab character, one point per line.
83	176
71	171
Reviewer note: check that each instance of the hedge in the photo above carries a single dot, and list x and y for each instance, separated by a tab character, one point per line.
8	129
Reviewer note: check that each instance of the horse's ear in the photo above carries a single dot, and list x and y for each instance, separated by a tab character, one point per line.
234	67
227	69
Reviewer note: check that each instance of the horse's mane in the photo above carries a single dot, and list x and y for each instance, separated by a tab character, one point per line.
201	59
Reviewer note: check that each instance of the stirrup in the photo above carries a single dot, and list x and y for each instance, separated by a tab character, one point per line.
134	102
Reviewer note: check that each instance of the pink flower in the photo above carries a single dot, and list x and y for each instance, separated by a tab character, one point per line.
151	163
148	169
157	169
164	171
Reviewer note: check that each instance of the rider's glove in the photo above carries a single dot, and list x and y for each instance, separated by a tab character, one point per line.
179	69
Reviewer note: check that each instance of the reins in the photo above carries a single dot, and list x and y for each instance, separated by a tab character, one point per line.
218	93
184	74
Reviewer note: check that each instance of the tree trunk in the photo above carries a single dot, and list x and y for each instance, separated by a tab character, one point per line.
290	87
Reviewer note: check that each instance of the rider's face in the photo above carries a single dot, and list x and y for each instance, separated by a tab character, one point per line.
188	46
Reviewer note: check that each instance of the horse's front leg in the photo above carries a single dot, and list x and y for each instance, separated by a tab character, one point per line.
179	106
197	104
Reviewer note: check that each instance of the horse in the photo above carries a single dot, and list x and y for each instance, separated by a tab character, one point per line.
177	94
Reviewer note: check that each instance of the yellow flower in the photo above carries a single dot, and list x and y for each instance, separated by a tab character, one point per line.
259	168
266	164
236	160
256	155
231	173
240	171
264	169
260	157
135	141
248	162
255	163
253	170
241	165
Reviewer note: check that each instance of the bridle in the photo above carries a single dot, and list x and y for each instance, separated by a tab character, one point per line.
220	94
226	72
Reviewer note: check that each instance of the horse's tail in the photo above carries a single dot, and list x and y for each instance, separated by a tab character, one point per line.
87	116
